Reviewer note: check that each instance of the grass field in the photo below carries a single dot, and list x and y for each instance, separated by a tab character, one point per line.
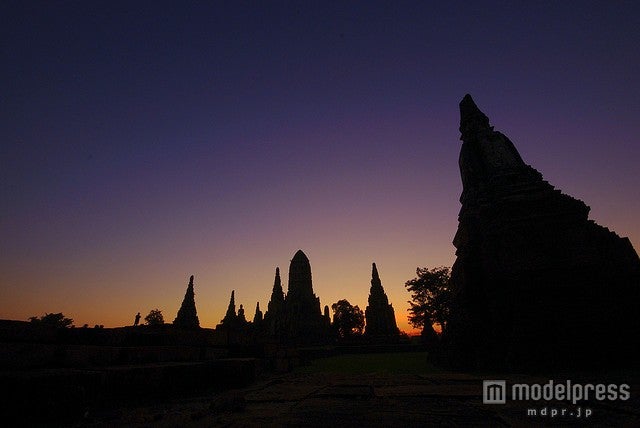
387	363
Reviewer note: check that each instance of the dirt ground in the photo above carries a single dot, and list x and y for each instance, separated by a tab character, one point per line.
328	397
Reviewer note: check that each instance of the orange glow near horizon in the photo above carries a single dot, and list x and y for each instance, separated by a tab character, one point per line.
113	300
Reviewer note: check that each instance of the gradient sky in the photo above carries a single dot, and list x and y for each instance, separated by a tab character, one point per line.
143	142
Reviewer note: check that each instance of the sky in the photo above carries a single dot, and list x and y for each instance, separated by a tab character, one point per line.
144	142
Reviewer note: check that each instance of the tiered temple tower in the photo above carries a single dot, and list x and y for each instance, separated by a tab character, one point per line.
257	318
230	317
274	317
304	322
535	281
381	320
187	316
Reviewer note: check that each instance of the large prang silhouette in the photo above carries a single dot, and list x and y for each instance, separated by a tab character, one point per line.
303	320
535	283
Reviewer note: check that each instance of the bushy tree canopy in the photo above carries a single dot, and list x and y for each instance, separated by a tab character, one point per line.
430	297
154	317
54	320
348	320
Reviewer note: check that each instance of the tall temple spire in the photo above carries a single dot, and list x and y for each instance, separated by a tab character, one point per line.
380	316
230	316
303	318
376	285
277	295
296	317
187	316
258	316
274	317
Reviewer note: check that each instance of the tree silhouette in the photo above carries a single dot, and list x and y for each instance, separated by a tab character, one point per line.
55	320
348	320
430	297
154	317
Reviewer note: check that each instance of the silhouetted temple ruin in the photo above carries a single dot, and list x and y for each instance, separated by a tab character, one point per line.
303	320
257	318
187	316
535	281
230	317
291	319
327	316
274	317
379	315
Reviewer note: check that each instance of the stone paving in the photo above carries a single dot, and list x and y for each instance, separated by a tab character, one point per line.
322	399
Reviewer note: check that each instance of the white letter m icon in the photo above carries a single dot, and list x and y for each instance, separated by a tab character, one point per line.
494	392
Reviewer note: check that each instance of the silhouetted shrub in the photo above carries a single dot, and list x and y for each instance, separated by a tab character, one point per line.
55	320
154	317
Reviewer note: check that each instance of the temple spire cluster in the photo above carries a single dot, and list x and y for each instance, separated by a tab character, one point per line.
534	279
296	317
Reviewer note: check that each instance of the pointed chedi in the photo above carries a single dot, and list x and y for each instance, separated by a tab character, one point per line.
187	316
379	314
257	318
276	303
230	317
274	317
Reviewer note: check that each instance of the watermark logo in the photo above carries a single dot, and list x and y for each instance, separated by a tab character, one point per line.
555	394
494	392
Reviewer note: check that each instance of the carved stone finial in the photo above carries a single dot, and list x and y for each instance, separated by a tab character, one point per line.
374	272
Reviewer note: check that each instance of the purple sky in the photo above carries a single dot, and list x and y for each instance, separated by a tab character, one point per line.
142	142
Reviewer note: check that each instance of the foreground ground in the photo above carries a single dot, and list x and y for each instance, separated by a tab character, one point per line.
374	390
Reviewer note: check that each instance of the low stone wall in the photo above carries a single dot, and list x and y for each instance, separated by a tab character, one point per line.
67	394
22	356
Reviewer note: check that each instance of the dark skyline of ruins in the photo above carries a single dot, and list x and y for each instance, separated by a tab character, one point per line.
146	143
295	315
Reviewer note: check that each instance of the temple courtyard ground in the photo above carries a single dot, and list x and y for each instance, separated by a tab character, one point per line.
387	390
